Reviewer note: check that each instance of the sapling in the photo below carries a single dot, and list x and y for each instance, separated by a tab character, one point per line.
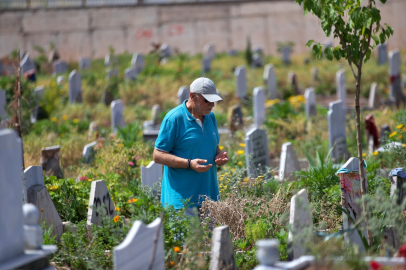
354	25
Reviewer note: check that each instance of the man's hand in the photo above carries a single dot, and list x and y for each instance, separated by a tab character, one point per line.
221	158
195	165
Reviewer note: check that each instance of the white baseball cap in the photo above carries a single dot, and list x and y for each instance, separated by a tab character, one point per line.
206	88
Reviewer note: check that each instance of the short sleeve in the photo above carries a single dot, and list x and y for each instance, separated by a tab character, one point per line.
166	137
216	130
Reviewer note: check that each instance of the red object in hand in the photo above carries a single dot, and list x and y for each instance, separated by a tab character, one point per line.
372	129
375	265
402	251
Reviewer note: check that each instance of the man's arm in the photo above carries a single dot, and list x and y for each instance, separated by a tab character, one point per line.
173	161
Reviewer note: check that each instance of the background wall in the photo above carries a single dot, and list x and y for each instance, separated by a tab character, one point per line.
78	32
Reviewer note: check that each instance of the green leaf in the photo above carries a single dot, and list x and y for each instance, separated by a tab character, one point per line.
375	38
317	50
367	56
309	43
329	54
336	53
311	161
382	37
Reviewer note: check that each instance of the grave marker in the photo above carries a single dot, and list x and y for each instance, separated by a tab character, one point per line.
257	60
259	106
288	163
286	55
130	74
130	255
60	80
398	180
75	87
300	220
151	174
382	53
59	67
38	94
117	119
292	81
156	111
315	74
235	118
111	72
50	157
396	93
222	254
137	62
241	81
84	63
209	51
165	50
341	87
110	60
256	152
206	65
88	152
310	96
336	130
100	203
270	81
3	103
26	64
232	52
183	94
373	99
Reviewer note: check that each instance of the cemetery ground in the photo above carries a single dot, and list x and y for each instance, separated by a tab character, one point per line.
253	207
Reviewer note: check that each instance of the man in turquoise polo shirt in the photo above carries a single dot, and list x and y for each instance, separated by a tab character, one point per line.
187	146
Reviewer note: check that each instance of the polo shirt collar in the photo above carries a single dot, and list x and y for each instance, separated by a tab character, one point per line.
189	116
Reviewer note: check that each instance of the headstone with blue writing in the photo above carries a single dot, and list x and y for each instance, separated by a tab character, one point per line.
100	203
241	81
256	152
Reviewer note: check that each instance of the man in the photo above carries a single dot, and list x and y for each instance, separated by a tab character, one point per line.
187	146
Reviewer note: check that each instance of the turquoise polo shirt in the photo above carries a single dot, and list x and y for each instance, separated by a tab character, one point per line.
182	136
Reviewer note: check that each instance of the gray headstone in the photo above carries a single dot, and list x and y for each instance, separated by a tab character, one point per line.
117	119
256	152
336	130
315	74
26	64
310	96
75	87
241	81
130	74
258	49
292	82
59	67
270	81
60	80
398	180
382	53
130	255
206	64
341	87
165	50
33	175
137	62
151	174
222	254
259	106
267	254
100	203
1	69
38	94
32	231
373	99
110	60
257	60
286	55
209	51
396	93
50	161
3	103
156	111
235	118
111	72
88	152
92	128
300	220
183	93
84	63
232	52
288	163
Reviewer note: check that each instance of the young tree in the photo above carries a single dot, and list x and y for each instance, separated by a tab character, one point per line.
354	25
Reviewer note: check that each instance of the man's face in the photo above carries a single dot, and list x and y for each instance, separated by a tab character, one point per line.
202	106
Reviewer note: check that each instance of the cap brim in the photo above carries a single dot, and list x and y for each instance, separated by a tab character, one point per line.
212	97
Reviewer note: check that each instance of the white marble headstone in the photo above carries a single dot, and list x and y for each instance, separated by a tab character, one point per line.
270	81
341	87
100	203
288	163
87	154
75	87
336	129
26	64
222	254
137	62
373	92
209	51
183	93
256	152
131	255
3	103
84	63
310	96
259	106
130	74
117	119
151	174
241	81
59	67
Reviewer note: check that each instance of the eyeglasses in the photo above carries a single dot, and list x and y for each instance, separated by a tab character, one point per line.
205	100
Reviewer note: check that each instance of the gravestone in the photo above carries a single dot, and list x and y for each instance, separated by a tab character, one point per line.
38	94
111	72
183	94
60	80
241	81
398	181
222	254
137	62
209	51
151	174
26	64
350	192
385	131
50	157
373	96
310	96
38	195
235	118
117	119
256	152
396	93
292	82
206	65
336	130
258	49
88	152
259	106
93	127
257	61
1	69
341	87
75	87
165	50
267	254
130	74
53	56
286	55
100	203
131	255
288	163
300	221
59	67
156	111
3	103
84	63
270	81
315	75
110	60
232	52
382	53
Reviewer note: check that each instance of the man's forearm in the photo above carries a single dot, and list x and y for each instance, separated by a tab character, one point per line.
169	160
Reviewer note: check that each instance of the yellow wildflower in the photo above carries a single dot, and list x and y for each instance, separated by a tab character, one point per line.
240	152
64	117
176	249
117	208
239	163
129	201
62	135
53	119
400	136
116	219
75	120
375	153
403	145
246	179
242	144
134	200
399	126
172	263
271	102
392	134
221	147
364	154
90	180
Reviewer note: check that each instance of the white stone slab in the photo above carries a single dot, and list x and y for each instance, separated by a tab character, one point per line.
256	152
288	163
87	154
336	129
259	106
84	63
222	254
26	64
137	62
33	175
341	87
270	81
183	93
137	249
3	104
100	199
310	96
209	51
75	87
373	92
241	81
117	119
151	174
300	221
130	74
59	67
